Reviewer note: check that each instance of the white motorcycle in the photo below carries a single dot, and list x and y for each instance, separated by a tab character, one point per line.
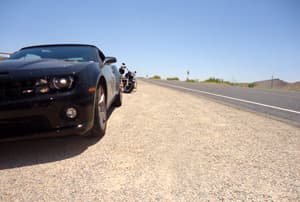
128	80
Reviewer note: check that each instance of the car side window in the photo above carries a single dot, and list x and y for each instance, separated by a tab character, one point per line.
30	57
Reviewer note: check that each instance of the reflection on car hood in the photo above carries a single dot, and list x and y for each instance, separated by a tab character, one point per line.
43	67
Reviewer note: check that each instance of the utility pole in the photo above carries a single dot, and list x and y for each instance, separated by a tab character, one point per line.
272	81
187	74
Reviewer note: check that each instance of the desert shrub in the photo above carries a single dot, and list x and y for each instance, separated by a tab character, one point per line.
155	77
191	80
214	80
251	85
173	78
218	81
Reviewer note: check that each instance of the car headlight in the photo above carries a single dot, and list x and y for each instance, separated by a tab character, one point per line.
46	85
62	82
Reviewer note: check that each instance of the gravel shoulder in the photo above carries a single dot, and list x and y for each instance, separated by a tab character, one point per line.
161	145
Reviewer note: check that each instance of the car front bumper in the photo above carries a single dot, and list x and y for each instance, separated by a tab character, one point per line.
46	115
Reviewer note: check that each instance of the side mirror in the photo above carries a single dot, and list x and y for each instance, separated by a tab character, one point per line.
109	60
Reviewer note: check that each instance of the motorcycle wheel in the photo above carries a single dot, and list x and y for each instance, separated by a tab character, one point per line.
129	88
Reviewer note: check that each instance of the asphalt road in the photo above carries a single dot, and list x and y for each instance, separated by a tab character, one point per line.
281	105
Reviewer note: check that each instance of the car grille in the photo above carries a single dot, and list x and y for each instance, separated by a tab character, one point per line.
23	126
11	90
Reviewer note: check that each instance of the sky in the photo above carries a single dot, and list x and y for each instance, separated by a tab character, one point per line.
237	40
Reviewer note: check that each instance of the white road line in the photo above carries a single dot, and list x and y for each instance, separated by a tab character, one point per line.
231	98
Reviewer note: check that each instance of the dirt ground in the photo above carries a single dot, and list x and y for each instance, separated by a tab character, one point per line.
161	145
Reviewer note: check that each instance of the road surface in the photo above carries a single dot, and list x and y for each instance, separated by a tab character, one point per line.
282	105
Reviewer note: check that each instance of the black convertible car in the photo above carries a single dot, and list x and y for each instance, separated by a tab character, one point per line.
57	89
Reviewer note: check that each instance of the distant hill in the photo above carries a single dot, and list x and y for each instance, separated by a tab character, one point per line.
277	84
293	86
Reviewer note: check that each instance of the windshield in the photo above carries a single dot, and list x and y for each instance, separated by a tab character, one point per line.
68	53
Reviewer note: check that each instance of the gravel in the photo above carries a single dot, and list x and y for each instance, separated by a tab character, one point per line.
161	145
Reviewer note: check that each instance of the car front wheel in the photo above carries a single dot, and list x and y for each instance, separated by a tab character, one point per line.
100	115
118	99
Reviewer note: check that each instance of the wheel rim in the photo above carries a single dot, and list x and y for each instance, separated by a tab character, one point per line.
101	108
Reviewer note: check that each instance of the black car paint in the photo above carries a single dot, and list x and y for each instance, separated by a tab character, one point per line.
50	107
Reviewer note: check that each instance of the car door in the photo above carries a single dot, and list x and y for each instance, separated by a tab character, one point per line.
117	78
108	75
114	80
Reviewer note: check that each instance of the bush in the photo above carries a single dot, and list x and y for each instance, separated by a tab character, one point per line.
191	80
228	83
214	80
251	85
218	81
155	77
173	78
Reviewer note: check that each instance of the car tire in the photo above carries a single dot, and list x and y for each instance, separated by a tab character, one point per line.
100	115
129	88
118	99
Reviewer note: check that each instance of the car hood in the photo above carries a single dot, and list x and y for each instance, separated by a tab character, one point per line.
36	68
